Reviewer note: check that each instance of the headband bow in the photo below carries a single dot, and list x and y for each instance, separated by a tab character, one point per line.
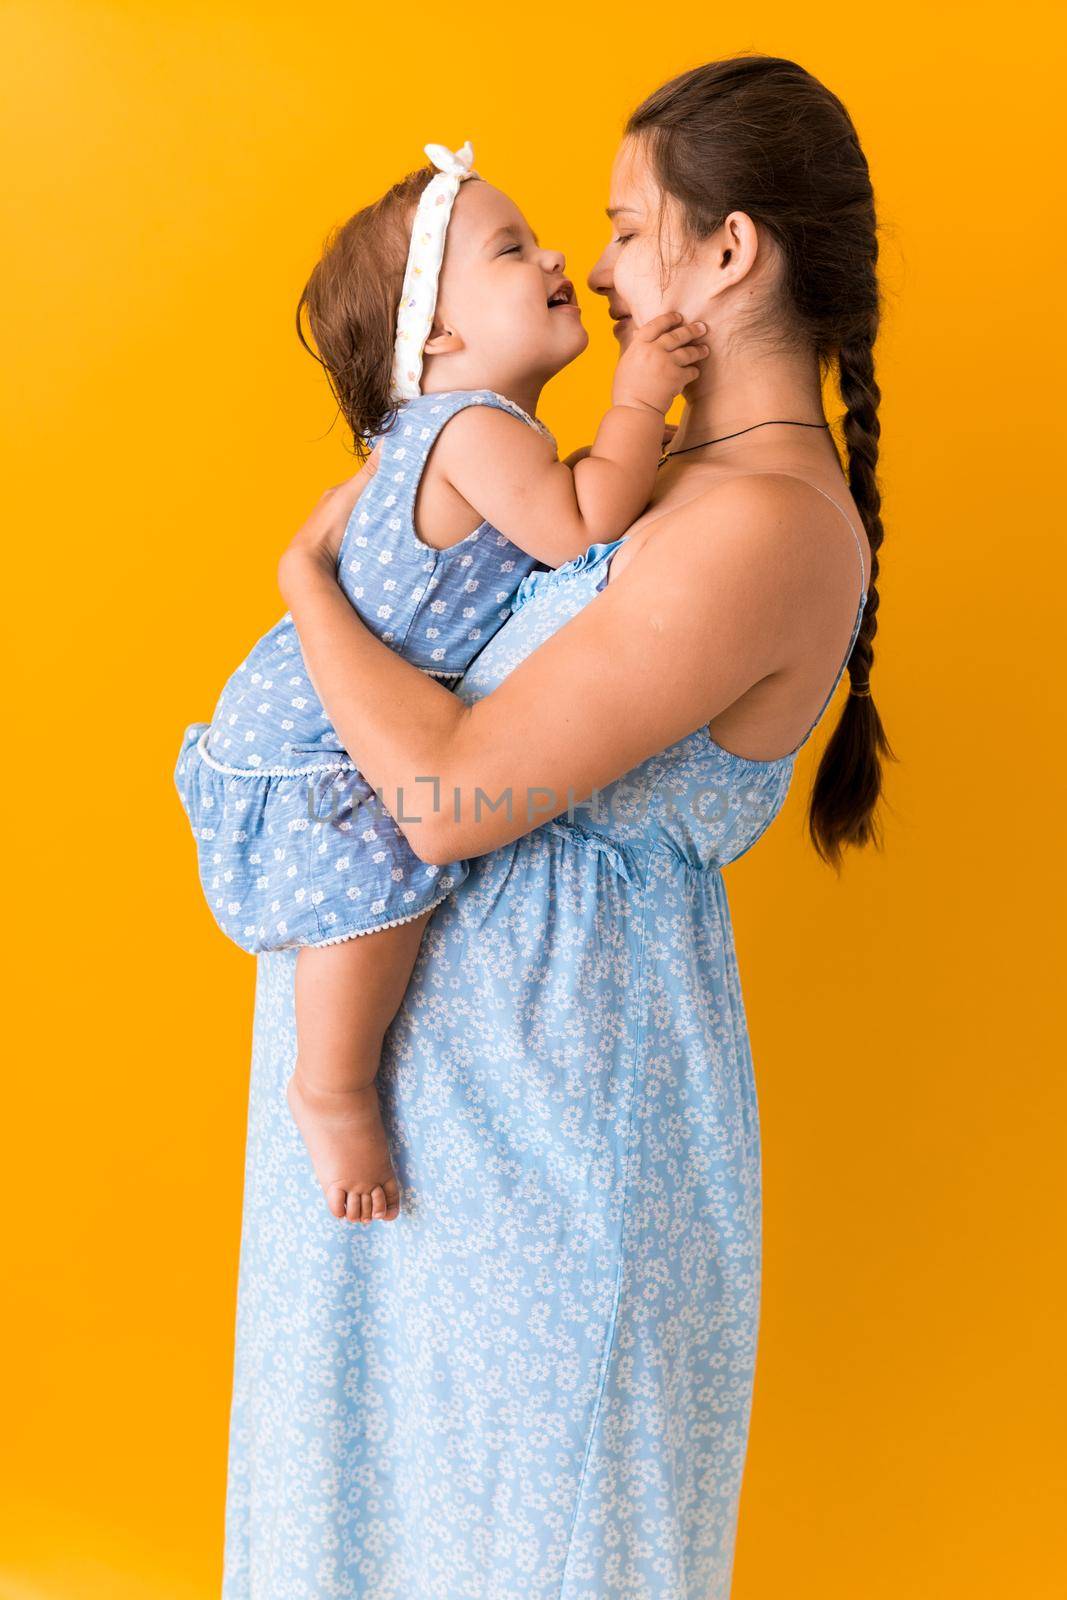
418	298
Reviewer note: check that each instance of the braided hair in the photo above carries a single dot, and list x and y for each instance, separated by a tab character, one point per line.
759	134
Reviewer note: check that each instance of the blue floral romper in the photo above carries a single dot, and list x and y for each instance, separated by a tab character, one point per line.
294	846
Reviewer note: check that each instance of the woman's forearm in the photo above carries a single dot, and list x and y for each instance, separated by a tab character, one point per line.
400	729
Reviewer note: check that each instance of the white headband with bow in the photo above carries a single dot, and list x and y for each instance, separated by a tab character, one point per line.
418	297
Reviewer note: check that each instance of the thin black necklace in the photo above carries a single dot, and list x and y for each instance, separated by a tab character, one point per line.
774	422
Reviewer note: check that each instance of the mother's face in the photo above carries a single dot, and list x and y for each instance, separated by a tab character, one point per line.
640	283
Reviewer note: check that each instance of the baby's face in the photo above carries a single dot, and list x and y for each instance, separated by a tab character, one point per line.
506	297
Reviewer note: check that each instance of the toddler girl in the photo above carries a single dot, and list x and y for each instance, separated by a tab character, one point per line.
424	346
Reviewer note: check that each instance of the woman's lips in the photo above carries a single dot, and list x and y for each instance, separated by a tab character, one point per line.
619	323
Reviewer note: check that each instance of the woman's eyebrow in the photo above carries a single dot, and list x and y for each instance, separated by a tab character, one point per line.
617	211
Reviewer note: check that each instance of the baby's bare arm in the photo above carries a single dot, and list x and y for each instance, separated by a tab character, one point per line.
669	431
509	474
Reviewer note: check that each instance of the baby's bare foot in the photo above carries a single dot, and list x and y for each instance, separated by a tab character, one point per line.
345	1138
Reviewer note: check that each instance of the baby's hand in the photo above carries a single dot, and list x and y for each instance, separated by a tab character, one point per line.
661	358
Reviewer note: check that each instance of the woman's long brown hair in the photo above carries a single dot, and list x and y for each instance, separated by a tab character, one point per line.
759	134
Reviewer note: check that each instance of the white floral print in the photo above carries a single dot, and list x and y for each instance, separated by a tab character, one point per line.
536	1383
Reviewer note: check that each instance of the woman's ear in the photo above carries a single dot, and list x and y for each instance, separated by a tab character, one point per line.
740	245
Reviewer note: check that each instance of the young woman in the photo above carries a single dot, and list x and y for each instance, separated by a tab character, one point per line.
536	1380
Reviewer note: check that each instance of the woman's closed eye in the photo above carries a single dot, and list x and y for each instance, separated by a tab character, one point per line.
622	239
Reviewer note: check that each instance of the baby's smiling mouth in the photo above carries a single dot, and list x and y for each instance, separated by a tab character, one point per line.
563	296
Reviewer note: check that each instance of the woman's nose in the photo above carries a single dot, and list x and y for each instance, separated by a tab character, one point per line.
600	279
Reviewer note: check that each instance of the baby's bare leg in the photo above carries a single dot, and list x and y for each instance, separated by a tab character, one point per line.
346	996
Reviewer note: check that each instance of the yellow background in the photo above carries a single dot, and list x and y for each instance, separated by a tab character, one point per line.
171	172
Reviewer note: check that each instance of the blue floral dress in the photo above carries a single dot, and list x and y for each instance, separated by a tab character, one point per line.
537	1381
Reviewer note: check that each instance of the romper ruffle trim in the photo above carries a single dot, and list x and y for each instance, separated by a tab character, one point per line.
279	871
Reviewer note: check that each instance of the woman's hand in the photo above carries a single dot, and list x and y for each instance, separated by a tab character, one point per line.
315	546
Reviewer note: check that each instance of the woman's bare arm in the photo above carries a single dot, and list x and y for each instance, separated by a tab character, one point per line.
703	614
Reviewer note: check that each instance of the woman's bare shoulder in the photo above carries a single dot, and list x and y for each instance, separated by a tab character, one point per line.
771	533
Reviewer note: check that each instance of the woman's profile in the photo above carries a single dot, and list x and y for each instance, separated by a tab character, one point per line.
537	1380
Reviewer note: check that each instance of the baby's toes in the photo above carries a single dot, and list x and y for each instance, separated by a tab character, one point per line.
392	1200
368	1208
354	1210
336	1198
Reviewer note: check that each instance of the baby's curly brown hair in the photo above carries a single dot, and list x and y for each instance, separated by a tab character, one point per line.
352	298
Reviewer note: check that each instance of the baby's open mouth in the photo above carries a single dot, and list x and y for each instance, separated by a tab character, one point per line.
563	296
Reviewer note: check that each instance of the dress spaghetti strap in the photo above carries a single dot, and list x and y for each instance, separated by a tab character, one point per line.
861	607
833	502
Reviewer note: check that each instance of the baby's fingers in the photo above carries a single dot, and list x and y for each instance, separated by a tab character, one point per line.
685	333
656	326
687	354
